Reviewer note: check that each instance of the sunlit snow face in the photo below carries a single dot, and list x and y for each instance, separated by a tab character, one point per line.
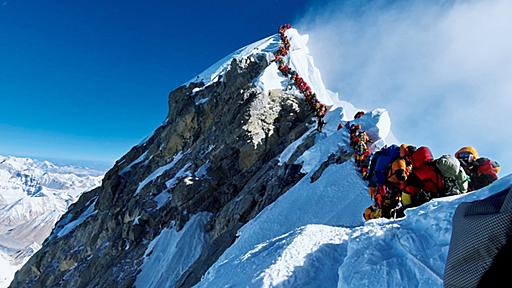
442	70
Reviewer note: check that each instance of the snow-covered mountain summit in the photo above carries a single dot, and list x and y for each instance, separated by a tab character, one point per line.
238	189
33	196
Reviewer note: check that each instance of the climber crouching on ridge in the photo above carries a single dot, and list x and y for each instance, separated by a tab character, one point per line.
389	170
432	178
425	182
481	171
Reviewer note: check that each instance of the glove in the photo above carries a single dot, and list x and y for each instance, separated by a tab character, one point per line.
367	214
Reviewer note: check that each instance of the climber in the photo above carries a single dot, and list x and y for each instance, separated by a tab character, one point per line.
424	182
358	115
406	152
360	148
353	131
386	157
388	195
481	171
453	175
466	156
320	123
341	124
386	191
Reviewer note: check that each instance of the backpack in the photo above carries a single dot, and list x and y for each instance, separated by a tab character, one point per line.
485	172
421	156
360	148
487	166
371	168
386	157
454	177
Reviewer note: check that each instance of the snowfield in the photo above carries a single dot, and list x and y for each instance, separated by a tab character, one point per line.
33	196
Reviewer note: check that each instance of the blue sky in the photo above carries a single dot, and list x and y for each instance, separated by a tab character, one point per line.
89	79
442	69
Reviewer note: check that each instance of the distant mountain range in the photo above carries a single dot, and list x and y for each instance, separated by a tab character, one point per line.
33	196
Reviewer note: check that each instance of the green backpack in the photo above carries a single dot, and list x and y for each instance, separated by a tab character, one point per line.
454	177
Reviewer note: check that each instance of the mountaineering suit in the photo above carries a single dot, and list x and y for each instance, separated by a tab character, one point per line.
481	171
424	182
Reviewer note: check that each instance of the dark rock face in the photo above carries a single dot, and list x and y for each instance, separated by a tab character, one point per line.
218	156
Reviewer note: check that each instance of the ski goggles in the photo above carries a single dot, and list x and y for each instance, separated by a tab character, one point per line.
465	156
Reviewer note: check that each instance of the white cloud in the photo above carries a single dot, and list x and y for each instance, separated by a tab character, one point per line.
443	70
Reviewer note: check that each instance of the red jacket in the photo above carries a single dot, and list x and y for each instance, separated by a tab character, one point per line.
424	175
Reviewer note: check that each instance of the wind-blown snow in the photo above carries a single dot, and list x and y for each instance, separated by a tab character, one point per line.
299	60
172	252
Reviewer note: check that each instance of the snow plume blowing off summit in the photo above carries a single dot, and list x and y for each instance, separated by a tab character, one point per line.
441	68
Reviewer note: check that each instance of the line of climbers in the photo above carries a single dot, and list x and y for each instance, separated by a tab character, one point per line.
319	108
401	177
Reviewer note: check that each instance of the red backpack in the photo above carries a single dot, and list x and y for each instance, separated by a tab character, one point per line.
487	166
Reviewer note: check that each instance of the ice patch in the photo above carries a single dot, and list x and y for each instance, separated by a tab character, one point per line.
170	254
202	172
159	171
90	211
202	101
137	161
181	174
162	198
271	79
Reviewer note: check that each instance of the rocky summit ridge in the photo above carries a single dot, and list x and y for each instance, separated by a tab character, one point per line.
215	155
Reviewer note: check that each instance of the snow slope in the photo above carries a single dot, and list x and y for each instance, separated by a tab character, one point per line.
299	60
172	253
33	196
410	252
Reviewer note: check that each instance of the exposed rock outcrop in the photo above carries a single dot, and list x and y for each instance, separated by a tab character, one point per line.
215	153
